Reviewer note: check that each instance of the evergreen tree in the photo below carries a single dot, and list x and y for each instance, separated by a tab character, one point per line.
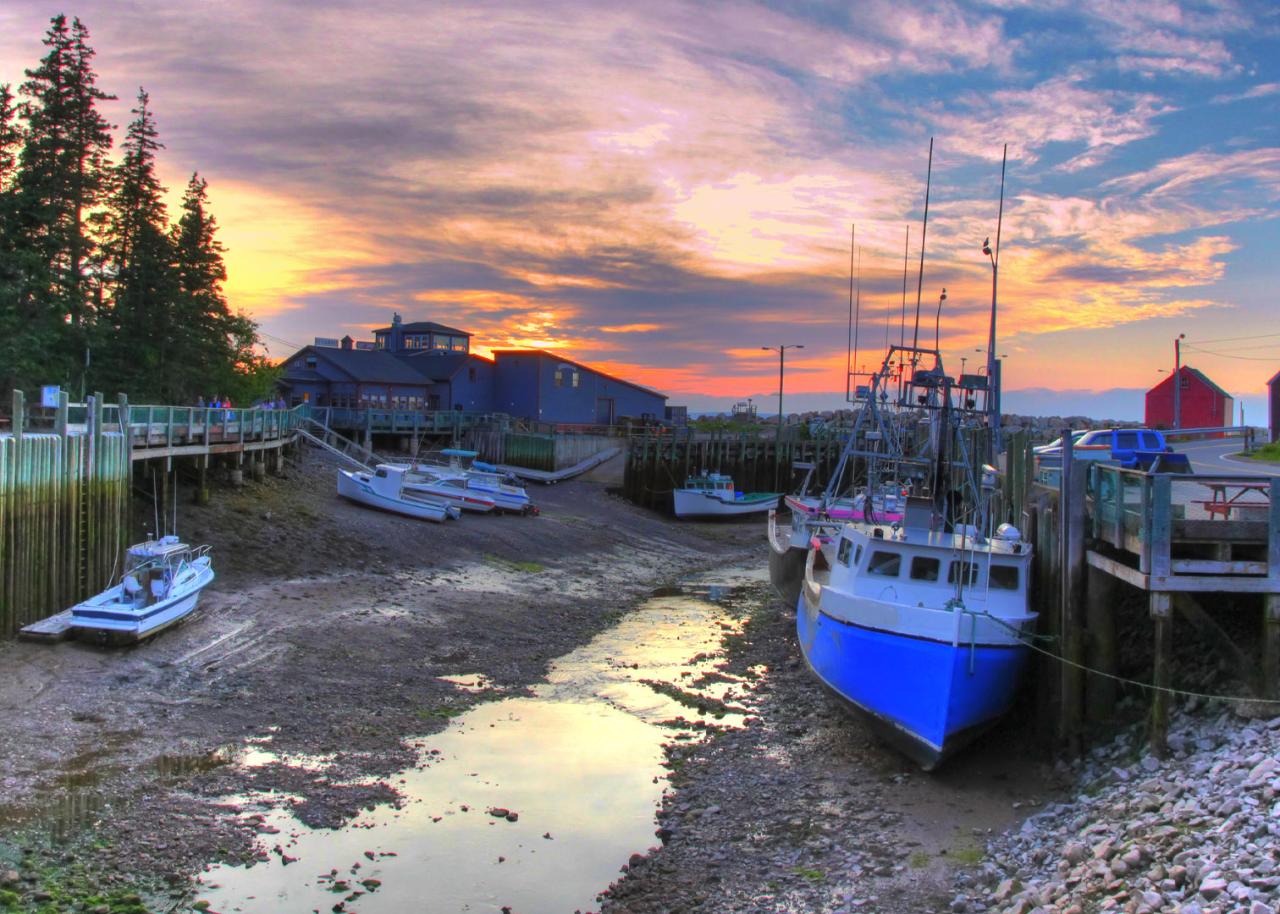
217	349
138	269
63	179
10	138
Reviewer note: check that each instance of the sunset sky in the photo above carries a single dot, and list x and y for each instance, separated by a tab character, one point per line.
662	188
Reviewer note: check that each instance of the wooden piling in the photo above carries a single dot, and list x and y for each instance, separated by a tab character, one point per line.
1161	608
1100	647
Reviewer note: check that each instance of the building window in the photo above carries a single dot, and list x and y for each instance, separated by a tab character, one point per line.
380	341
311	361
439	342
458	343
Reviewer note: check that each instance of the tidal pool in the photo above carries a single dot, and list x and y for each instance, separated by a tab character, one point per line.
577	768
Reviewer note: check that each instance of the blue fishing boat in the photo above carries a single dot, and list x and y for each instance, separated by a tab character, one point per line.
919	620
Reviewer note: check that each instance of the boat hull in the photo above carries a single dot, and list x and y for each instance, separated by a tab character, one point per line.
927	698
698	504
786	562
351	488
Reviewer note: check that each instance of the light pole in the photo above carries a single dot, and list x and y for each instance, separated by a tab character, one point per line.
1177	380
777	450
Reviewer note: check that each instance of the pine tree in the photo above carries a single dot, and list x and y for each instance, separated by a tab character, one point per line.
138	268
10	138
62	181
217	346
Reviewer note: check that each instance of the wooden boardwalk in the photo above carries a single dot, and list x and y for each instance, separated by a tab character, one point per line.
1186	541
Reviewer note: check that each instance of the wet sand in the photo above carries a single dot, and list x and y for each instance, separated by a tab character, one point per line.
315	665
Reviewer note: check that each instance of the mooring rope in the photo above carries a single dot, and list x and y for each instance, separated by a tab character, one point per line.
1018	635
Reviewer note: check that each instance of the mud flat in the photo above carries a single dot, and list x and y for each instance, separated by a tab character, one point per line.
315	661
505	714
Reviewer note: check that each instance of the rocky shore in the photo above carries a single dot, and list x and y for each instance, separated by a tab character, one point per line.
1197	833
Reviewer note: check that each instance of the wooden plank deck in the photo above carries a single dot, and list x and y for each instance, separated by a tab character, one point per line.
53	628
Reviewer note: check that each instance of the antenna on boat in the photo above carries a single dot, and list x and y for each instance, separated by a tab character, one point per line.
924	233
173	493
155	506
850	356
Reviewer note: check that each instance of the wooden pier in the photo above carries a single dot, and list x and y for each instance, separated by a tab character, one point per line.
65	480
1183	540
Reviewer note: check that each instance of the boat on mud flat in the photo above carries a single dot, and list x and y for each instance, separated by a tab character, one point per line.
452	490
160	586
713	495
385	489
482	479
921	629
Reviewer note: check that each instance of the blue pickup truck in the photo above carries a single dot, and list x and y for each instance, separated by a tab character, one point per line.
1136	448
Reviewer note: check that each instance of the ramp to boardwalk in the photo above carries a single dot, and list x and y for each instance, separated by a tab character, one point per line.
547	477
340	446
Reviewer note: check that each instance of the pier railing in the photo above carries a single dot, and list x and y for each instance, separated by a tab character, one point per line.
1180	530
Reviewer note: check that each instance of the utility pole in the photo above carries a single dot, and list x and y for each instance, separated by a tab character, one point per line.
777	450
1177	380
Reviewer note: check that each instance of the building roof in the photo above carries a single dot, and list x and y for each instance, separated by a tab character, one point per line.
560	358
424	327
1275	377
1205	380
438	364
1198	375
368	365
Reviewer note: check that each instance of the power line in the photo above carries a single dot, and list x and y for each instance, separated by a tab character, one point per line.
1232	339
1227	355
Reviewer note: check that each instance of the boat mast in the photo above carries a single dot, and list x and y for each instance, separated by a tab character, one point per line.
851	349
924	233
993	372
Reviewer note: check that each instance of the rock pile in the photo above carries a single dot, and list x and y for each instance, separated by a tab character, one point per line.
1198	833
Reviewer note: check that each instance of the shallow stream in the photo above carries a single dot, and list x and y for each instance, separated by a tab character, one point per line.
528	803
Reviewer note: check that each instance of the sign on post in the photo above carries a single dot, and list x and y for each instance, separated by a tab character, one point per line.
49	396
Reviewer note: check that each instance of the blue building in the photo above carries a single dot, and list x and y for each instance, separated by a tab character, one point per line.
427	366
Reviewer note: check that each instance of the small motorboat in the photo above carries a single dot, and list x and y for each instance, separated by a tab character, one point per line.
484	480
161	585
453	490
713	495
385	489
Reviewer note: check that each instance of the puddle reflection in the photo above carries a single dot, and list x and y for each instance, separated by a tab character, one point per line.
527	802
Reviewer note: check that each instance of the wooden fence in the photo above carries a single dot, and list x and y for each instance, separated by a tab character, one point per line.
64	509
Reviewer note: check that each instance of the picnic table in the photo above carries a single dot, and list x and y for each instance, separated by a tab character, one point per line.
1223	503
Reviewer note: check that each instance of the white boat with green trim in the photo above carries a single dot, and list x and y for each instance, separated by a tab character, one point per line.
713	495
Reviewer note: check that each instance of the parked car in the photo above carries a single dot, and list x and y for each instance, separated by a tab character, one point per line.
1055	446
1130	447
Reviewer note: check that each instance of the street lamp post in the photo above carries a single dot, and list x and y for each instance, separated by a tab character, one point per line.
777	451
1177	380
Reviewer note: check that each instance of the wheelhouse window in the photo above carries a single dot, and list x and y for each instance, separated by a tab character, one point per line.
964	572
885	564
844	552
1004	577
924	568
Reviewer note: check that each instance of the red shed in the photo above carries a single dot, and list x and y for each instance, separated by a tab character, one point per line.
1273	401
1204	404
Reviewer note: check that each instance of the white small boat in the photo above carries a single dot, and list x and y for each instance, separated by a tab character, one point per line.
452	490
161	585
482	479
385	488
713	495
